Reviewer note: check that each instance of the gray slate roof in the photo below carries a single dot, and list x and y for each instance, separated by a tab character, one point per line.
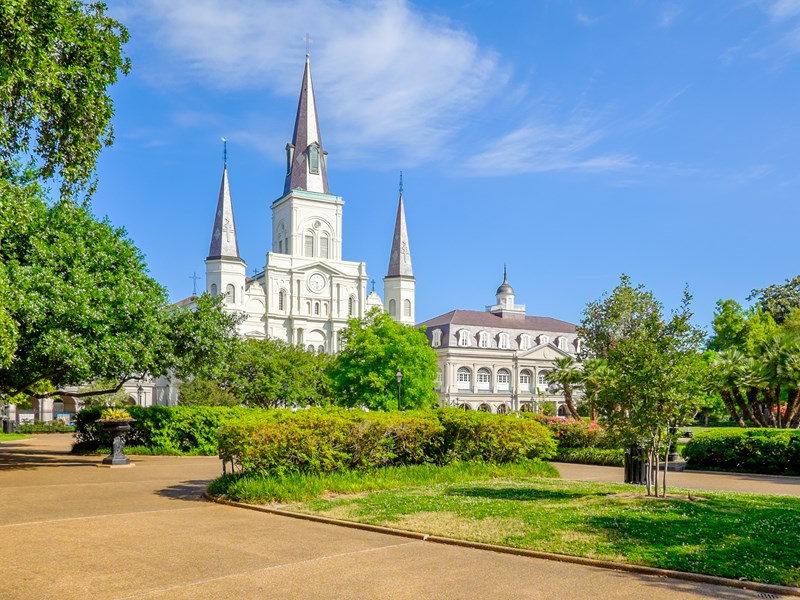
477	318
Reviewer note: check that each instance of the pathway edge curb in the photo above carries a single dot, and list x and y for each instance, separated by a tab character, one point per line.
591	562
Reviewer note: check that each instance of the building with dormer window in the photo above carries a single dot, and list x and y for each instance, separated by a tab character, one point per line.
497	360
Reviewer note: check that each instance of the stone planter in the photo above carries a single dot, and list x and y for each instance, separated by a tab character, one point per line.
116	427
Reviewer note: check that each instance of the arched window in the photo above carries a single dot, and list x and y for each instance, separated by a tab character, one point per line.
503	380
436	338
310	348
524	342
280	246
544	339
351	306
464	379
309	244
484	379
230	294
407	308
502	341
308	308
485	408
525	380
503	409
282	300
320	349
316	308
483	340
392	308
324	246
463	338
562	343
213	289
542	381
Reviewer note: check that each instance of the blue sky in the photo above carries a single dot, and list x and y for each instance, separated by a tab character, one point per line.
572	140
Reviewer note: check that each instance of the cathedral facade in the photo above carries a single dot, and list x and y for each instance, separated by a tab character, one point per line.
305	292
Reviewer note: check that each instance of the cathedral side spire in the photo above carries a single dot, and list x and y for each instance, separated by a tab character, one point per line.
400	258
223	238
305	156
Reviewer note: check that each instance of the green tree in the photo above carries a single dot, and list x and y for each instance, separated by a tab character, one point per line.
647	371
271	373
567	377
83	307
375	349
204	392
778	300
57	60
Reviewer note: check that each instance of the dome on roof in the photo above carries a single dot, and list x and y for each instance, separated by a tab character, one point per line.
504	288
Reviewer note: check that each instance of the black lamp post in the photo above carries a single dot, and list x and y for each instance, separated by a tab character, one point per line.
399	377
139	394
285	394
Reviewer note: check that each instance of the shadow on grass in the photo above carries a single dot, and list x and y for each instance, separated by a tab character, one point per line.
189	491
524	494
749	541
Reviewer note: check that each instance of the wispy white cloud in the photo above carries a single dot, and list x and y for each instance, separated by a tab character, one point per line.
585	19
384	73
781	10
668	14
536	147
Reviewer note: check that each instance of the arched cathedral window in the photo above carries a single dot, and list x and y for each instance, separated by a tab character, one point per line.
213	289
407	308
230	294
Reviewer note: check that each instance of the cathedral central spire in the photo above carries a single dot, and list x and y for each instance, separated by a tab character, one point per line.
305	158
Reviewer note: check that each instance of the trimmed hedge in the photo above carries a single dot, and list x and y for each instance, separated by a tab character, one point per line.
172	430
591	456
324	441
769	451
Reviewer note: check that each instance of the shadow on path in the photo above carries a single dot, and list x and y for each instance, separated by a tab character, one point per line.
21	456
189	491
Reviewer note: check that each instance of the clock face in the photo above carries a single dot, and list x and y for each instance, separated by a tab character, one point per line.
316	282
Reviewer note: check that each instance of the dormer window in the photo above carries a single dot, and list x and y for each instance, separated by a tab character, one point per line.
562	344
463	338
436	340
544	339
313	159
483	340
502	341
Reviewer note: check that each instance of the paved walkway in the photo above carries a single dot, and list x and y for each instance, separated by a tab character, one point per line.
70	530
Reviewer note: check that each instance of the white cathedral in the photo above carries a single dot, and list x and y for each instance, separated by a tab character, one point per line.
305	292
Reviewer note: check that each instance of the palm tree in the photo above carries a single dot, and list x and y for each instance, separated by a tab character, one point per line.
567	377
726	370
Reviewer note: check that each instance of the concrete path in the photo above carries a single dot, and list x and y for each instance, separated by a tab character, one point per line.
693	480
70	530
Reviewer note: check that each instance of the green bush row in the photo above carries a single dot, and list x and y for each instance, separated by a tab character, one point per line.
771	451
54	427
591	456
319	441
171	430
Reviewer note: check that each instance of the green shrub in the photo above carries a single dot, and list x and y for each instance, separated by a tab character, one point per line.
174	430
770	451
328	440
610	457
54	427
577	433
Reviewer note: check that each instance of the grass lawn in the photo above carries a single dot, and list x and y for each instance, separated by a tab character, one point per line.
10	437
730	535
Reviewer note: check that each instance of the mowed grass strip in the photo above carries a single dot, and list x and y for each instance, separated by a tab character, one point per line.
256	489
730	535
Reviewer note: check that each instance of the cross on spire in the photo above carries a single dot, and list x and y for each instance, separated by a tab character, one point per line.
225	152
401	182
194	279
308	44
373	285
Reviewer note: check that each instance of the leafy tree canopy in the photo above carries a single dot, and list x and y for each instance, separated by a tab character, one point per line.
648	371
778	300
83	307
271	373
57	60
375	348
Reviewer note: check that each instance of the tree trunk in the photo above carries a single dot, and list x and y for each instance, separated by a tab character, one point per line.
756	409
740	400
792	407
666	466
570	405
728	401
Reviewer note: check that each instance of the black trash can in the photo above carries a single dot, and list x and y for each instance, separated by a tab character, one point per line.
635	465
8	426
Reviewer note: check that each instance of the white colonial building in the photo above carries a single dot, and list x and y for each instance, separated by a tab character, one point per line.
497	360
305	292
